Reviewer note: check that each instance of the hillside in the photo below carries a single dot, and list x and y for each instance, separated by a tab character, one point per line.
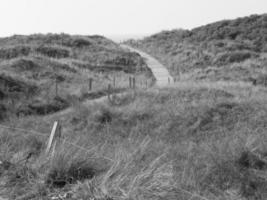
193	141
42	74
226	50
201	138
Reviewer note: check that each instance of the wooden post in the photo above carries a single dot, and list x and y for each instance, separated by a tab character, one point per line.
109	92
53	138
134	83
90	84
109	88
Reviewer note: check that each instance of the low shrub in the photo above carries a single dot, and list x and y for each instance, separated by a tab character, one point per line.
80	42
25	64
14	51
54	52
12	85
2	95
3	112
43	108
236	56
104	116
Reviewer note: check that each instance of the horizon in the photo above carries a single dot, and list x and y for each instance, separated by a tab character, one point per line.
118	19
127	36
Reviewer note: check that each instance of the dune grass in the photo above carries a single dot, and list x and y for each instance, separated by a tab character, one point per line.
37	69
189	141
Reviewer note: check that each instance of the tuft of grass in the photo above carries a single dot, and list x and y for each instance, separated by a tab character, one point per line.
68	166
131	177
105	115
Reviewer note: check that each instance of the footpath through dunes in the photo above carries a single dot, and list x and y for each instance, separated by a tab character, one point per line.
160	72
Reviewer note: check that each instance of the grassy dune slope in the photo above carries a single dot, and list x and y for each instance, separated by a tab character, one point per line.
194	141
225	50
31	65
202	138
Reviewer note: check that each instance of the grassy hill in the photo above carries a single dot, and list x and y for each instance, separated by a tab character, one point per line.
227	50
192	141
202	138
31	66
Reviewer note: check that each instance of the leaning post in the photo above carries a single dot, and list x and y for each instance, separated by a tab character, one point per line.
53	139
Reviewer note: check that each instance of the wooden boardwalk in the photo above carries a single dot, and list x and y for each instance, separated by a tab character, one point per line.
160	72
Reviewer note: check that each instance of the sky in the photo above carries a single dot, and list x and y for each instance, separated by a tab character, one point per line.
115	18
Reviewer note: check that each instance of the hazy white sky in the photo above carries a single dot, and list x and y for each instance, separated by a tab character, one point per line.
117	17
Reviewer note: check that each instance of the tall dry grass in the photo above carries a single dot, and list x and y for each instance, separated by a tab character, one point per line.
184	142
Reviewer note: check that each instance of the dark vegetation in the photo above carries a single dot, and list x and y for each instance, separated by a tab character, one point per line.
31	65
225	50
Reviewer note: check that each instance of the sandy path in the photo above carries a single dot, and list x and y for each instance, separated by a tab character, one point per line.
160	72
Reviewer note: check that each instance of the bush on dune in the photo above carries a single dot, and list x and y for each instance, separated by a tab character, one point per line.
81	42
14	51
37	107
232	57
10	84
54	52
25	64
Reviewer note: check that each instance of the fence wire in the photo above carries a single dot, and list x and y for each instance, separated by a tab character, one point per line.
46	135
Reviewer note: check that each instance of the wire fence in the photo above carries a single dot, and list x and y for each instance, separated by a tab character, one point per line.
46	136
23	130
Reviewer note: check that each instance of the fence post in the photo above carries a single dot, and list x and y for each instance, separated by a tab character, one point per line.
90	84
134	83
109	91
53	138
109	88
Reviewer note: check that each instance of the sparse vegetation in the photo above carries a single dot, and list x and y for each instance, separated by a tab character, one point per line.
226	50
